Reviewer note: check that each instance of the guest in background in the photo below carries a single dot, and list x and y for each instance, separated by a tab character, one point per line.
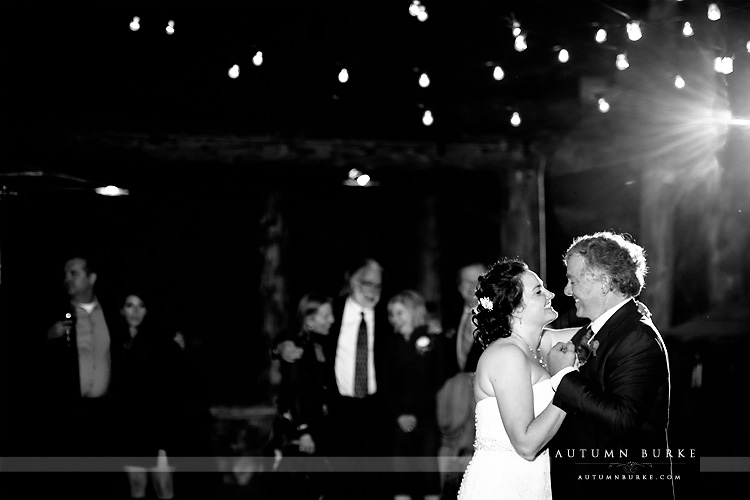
301	427
358	361
83	356
152	400
455	399
415	377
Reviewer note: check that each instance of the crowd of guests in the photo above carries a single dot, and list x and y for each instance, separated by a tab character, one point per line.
375	401
124	397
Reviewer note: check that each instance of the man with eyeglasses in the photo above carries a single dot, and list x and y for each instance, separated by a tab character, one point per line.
359	351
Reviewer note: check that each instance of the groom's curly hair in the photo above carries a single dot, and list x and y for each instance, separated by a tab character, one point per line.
502	285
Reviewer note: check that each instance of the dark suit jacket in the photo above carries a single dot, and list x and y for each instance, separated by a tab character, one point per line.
618	400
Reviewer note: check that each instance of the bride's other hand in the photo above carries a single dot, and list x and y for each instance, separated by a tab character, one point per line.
560	356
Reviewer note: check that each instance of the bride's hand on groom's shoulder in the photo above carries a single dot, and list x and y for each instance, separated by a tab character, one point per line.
560	356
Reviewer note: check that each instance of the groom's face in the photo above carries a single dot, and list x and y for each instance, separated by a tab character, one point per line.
585	288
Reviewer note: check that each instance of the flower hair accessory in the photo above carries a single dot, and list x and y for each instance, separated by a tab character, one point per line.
486	303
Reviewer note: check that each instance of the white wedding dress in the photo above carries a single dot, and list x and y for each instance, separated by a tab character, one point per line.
496	471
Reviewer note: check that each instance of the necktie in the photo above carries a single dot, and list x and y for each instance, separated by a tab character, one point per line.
360	366
583	350
465	339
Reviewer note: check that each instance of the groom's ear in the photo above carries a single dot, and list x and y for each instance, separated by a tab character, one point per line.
606	284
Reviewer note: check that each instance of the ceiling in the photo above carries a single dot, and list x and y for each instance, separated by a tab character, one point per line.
79	63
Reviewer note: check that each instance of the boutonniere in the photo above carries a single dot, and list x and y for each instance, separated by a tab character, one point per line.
423	344
586	349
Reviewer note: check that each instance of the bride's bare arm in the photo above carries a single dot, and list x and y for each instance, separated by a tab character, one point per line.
504	371
551	336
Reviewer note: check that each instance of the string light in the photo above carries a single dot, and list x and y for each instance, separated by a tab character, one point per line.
622	62
516	28
714	14
724	65
416	9
603	105
520	42
634	31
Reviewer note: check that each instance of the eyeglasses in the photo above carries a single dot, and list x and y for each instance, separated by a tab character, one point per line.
370	285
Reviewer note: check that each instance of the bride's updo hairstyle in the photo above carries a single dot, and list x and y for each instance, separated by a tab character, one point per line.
499	292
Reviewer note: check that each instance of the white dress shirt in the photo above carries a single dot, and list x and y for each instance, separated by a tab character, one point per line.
346	348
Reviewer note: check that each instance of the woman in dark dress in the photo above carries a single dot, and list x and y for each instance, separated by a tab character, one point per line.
151	398
301	423
416	375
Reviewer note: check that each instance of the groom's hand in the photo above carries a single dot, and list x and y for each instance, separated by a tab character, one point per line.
560	356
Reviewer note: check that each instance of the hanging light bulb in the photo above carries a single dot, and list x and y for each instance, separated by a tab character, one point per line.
424	80
170	28
603	105
498	73
520	43
258	58
563	56
714	14
135	24
679	82
601	35
234	71
516	28
634	31
427	118
414	8
343	75
622	62
515	119
422	16
724	65
687	29
748	46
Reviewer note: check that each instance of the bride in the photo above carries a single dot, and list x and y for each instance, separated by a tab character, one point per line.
514	416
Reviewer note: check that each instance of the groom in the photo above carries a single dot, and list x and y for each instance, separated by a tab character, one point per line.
612	379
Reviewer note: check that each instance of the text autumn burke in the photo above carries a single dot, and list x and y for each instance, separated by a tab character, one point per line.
643	453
